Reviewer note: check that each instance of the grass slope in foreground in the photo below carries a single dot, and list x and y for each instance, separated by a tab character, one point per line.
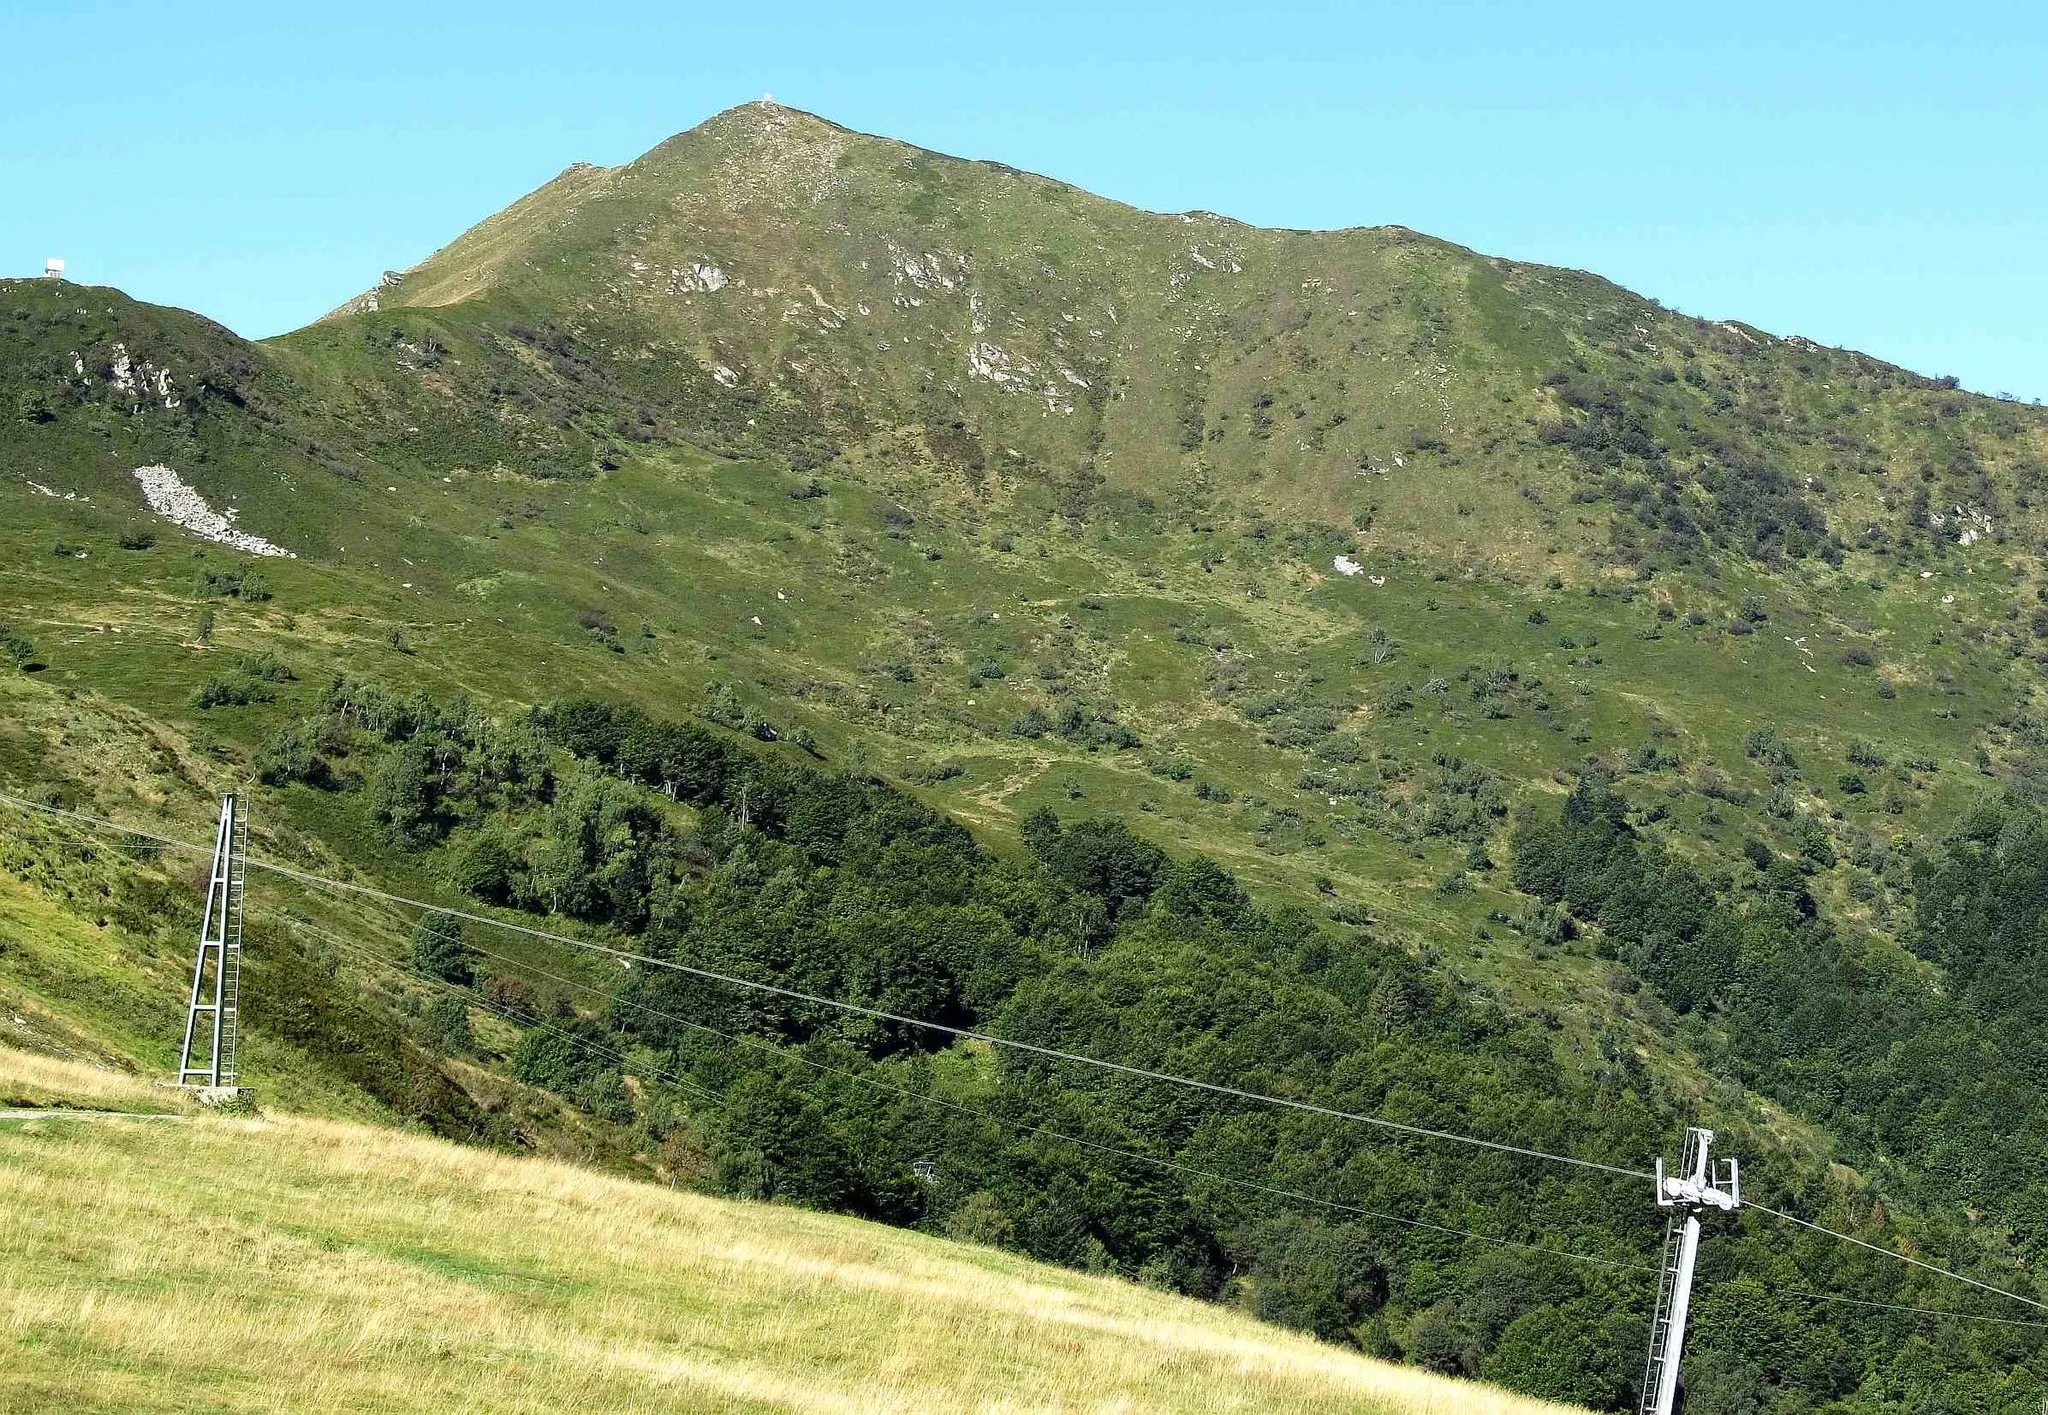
222	1263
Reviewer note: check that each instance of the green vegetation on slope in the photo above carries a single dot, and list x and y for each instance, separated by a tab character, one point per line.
702	850
1935	1091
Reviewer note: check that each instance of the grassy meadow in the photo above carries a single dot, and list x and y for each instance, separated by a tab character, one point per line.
277	1262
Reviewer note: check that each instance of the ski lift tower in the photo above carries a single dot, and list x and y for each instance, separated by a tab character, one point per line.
212	1021
1687	1194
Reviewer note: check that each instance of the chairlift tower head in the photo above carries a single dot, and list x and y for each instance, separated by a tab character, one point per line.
1693	1186
1697	1187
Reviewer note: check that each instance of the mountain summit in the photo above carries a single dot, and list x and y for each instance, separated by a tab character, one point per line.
770	281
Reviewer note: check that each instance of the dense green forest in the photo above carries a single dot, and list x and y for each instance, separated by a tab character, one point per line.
1937	1087
691	842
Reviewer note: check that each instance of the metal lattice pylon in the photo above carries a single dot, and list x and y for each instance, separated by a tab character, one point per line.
211	1021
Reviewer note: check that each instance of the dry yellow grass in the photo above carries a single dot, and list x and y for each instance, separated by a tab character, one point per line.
27	1079
283	1263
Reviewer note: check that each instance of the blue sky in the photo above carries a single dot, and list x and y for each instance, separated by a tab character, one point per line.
1869	175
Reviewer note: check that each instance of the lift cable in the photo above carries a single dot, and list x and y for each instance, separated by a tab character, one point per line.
1889	1253
1920	1311
320	881
784	1054
879	1014
965	1033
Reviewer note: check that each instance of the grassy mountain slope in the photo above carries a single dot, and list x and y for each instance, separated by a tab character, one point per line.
96	939
959	477
1237	658
978	331
249	1264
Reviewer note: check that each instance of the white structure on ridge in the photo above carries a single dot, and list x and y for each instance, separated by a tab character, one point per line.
53	269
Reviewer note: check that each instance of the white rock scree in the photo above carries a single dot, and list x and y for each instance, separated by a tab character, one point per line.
169	497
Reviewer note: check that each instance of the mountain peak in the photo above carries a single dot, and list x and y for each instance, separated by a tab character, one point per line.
779	284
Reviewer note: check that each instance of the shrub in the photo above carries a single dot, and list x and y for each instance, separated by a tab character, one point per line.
446	1020
981	1218
1857	656
267	667
438	950
291	755
604	1095
232	690
1319	1279
1651	757
1712	782
1558	1353
1115	734
1436	1344
511	996
235	582
1763	744
555	1058
1814	846
484	865
20	650
1031	725
600	628
722	706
